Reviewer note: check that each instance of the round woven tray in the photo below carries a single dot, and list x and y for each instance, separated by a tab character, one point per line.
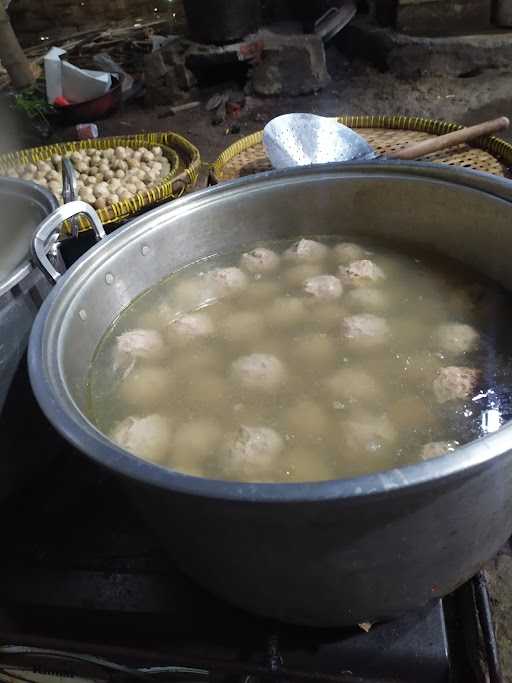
385	134
183	157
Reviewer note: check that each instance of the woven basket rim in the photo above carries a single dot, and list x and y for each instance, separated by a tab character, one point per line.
170	187
500	149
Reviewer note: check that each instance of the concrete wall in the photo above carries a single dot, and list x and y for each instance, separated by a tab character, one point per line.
436	17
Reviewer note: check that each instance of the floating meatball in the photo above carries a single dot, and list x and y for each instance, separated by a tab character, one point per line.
367	433
148	437
272	345
347	252
316	349
243	326
158	317
295	277
227	281
286	311
253	449
207	388
189	327
410	332
194	441
145	387
324	287
436	448
360	273
259	371
455	383
302	466
420	367
195	358
263	290
367	299
193	293
307	250
456	338
463	303
353	384
411	412
325	315
260	260
308	420
365	330
135	344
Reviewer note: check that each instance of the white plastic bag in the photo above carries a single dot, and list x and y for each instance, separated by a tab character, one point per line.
74	84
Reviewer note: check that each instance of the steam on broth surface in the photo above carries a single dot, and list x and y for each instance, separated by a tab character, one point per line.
305	361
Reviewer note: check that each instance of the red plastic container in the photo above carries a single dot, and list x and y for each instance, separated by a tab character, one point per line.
94	110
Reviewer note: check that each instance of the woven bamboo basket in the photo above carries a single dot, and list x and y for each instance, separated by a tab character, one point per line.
385	134
183	157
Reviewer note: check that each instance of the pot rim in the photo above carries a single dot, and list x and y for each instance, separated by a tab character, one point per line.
83	435
46	200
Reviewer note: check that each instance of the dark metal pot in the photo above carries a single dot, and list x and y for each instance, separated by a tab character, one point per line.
22	290
328	553
222	21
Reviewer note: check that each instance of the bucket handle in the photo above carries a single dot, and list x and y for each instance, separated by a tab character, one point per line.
46	237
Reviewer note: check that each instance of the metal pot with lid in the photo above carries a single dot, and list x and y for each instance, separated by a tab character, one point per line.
23	287
23	206
327	553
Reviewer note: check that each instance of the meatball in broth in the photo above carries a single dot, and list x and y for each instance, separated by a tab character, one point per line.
305	360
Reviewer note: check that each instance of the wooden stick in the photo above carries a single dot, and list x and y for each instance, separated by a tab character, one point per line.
458	137
180	107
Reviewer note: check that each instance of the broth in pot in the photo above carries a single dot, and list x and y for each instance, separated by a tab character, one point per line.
301	361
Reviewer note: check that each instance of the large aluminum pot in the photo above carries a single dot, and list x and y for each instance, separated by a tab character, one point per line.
329	553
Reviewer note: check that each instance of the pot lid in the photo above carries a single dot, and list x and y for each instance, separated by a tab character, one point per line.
23	206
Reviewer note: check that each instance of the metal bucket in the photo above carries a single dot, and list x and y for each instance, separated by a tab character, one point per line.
222	21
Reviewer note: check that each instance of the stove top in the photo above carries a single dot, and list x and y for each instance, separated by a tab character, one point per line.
85	589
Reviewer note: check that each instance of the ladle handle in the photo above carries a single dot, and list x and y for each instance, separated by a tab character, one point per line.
458	137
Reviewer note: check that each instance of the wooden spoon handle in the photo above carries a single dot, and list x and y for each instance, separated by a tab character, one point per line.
421	149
